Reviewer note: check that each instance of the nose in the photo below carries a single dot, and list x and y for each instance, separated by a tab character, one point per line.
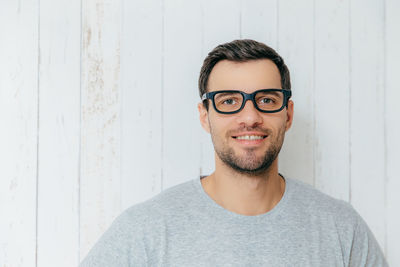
249	115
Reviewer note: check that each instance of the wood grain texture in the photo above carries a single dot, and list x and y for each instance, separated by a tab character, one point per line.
181	60
59	120
367	160
259	21
332	98
18	135
220	28
141	99
296	46
392	132
100	183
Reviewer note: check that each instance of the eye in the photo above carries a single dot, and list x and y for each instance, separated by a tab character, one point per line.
266	100
229	101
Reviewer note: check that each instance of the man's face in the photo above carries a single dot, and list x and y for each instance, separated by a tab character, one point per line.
229	131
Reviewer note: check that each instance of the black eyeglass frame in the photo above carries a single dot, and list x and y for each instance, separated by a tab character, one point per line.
287	93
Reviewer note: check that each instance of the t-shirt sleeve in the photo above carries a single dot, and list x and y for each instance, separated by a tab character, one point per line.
365	250
121	245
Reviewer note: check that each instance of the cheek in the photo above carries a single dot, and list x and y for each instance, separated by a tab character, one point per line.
275	124
280	129
219	126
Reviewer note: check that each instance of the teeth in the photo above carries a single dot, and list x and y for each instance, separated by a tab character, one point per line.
249	137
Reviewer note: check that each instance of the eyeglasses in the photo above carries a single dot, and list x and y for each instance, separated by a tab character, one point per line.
264	100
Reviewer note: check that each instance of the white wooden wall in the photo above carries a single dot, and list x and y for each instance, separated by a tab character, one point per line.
98	109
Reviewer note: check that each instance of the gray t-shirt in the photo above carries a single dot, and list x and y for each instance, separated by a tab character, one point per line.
183	226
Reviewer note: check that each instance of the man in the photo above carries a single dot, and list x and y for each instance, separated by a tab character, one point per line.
245	213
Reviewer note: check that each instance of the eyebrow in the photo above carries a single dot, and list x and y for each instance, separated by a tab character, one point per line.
226	93
271	93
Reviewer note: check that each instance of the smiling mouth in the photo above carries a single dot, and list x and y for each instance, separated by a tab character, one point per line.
250	137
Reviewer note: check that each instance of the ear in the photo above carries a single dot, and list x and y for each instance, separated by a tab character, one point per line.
289	114
203	115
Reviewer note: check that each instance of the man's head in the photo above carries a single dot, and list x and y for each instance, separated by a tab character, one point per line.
241	51
249	140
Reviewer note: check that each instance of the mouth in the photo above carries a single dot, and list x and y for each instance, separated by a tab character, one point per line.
247	139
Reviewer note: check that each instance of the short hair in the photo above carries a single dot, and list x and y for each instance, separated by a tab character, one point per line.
241	51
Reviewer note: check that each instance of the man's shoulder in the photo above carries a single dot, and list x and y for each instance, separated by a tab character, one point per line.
339	218
314	202
174	199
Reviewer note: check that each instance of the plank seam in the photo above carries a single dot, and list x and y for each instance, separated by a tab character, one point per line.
315	144
80	134
162	91
277	25
349	106
385	145
240	18
37	136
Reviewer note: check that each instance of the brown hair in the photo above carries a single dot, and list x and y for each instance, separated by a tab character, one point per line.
241	51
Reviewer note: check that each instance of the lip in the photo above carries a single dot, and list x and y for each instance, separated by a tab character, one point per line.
249	133
249	142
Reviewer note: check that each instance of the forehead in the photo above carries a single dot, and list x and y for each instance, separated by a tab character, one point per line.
246	76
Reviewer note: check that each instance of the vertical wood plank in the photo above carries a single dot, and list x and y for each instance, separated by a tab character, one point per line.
141	85
296	46
182	59
220	28
259	21
331	97
59	121
18	135
100	116
392	128
217	29
367	114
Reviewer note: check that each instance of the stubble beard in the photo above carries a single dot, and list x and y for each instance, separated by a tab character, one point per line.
249	163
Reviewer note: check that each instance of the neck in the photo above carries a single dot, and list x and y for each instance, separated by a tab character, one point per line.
245	194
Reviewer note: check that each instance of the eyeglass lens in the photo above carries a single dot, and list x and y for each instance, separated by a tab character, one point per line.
265	100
